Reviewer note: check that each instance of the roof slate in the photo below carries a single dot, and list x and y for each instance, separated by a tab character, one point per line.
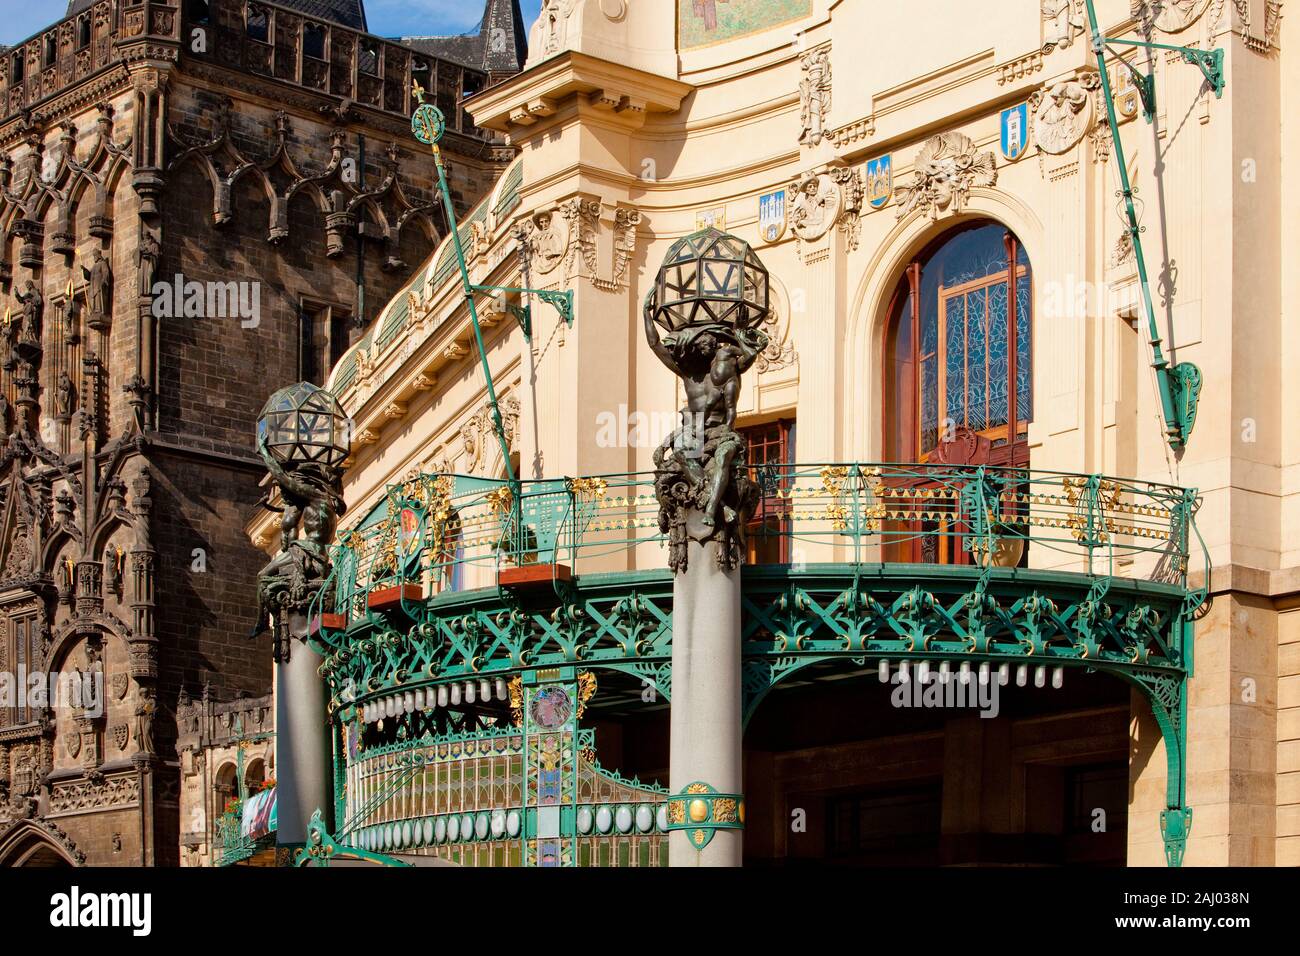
500	45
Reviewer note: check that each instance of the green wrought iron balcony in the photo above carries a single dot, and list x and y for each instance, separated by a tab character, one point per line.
436	535
455	588
232	846
443	579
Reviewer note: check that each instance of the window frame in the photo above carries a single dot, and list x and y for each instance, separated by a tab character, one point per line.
324	328
903	429
23	630
771	507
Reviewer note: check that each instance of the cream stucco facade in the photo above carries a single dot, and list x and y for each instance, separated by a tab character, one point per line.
627	143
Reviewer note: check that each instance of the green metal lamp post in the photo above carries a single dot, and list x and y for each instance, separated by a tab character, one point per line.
1179	386
303	436
710	297
428	126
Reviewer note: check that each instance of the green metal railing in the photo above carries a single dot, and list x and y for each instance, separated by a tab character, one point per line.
233	846
447	532
963	567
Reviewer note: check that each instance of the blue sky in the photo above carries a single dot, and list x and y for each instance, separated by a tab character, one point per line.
22	18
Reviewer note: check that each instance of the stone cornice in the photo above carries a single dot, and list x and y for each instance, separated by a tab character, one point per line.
620	91
1279	585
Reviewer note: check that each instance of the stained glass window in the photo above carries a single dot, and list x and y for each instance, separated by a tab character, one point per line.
950	344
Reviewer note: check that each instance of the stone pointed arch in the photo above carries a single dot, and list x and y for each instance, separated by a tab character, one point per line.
35	843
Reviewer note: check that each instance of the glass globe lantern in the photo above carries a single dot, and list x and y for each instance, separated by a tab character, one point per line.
303	424
709	278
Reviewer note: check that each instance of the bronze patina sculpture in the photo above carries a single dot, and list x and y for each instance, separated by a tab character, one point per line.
304	437
711	296
709	299
301	438
310	499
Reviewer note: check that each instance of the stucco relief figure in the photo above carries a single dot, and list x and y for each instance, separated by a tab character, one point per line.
814	95
1062	22
1171	16
815	206
545	239
99	291
1063	113
311	498
702	485
550	32
946	169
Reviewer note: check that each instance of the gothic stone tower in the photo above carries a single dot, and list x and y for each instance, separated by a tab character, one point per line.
252	163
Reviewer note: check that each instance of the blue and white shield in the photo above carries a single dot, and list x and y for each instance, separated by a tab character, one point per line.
771	215
1015	131
880	180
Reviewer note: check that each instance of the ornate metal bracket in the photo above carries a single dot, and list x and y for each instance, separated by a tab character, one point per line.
1187	392
561	301
1209	62
524	316
1175	824
1180	387
321	849
702	811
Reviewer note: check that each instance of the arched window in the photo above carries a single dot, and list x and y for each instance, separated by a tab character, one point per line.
957	346
227	787
254	777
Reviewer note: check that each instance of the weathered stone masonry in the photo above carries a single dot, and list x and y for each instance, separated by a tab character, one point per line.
272	152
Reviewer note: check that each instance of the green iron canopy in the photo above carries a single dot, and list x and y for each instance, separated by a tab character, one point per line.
303	423
709	278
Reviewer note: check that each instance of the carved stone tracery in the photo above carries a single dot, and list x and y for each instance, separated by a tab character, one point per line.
341	203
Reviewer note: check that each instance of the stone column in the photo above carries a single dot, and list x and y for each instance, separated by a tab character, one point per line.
302	739
706	496
706	708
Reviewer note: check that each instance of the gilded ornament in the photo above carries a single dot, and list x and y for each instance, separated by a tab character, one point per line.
586	688
724	810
